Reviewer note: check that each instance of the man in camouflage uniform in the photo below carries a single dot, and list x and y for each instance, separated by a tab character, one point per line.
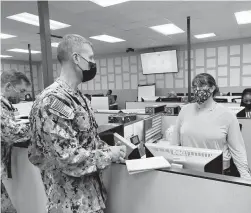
13	84
65	143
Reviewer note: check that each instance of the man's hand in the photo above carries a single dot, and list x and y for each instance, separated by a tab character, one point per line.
118	153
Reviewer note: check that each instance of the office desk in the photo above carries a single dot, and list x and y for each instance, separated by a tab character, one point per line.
229	98
175	191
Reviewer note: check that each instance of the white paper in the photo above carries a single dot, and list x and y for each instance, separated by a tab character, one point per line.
246	81
134	81
169	80
246	70
235	50
211	63
222	71
222	82
235	77
211	52
235	61
118	82
134	69
147	164
246	53
200	57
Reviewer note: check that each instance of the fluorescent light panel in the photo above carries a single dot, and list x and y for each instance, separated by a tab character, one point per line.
107	3
54	44
107	38
23	51
243	17
167	29
6	36
5	56
207	35
29	18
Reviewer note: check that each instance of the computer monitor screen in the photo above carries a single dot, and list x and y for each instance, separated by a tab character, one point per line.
207	160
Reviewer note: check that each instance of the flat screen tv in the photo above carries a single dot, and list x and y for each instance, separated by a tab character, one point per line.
159	62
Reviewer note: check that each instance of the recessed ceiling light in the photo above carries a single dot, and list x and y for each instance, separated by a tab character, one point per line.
243	17
167	29
107	3
107	38
5	36
54	44
23	51
5	56
207	35
34	20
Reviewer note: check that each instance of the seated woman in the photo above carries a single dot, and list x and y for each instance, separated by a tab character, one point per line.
210	125
245	102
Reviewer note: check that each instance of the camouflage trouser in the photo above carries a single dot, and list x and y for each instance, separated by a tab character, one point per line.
6	205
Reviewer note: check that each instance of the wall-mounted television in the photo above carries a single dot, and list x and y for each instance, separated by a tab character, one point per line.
159	62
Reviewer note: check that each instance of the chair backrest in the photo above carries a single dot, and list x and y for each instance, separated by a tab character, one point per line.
236	94
180	94
115	97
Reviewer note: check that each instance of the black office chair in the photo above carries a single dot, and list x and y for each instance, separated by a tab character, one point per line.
221	100
115	97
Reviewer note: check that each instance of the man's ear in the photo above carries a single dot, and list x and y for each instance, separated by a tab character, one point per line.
75	58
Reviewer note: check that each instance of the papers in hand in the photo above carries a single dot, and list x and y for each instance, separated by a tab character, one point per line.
129	146
146	164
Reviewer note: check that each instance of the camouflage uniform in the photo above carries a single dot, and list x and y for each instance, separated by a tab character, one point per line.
11	132
67	149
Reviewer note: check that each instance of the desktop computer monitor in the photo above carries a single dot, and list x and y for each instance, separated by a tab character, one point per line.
206	160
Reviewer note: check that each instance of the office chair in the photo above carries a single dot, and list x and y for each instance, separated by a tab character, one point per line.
115	97
180	94
178	99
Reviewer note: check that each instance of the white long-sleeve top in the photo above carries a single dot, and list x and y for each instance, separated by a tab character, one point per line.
213	128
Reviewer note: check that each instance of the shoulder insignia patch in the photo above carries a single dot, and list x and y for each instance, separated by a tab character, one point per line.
62	108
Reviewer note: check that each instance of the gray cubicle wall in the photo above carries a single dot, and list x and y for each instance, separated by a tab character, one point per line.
162	192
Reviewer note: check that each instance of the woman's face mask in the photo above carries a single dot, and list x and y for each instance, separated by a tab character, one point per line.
201	95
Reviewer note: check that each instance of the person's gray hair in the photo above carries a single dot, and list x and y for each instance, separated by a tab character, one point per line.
14	77
71	43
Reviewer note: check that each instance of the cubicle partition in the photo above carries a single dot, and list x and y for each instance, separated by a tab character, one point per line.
142	105
163	191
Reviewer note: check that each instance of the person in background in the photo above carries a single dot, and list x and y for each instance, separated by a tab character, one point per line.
65	142
28	97
110	97
172	94
207	124
13	84
245	102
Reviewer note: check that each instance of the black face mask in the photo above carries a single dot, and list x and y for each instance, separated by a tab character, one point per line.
88	74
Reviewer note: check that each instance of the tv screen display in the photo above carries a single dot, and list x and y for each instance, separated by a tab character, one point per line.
159	62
